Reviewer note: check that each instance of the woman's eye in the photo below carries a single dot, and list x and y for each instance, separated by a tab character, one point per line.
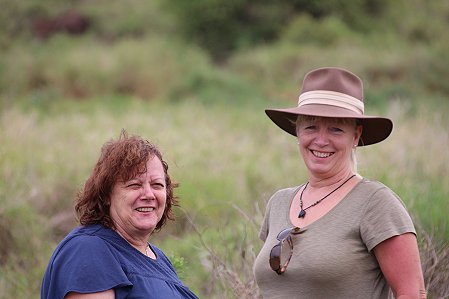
159	185
335	129
310	127
133	185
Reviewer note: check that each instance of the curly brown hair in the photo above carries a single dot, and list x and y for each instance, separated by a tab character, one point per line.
120	160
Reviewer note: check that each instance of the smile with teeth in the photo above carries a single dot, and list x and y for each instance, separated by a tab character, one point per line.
145	209
321	154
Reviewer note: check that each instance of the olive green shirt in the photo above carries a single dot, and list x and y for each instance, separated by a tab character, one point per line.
333	258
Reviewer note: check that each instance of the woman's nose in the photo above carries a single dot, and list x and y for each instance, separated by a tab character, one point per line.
148	192
322	137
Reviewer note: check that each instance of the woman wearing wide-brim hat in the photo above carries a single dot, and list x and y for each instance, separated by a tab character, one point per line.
339	235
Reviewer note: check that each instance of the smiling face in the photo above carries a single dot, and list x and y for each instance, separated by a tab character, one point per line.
326	144
137	205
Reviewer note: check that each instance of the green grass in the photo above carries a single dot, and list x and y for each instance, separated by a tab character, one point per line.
223	156
61	99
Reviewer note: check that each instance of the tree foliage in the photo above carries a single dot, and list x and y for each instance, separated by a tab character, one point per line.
223	26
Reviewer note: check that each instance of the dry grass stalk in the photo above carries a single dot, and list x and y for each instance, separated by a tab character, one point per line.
238	278
435	264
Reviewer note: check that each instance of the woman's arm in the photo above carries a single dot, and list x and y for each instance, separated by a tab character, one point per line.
400	263
109	294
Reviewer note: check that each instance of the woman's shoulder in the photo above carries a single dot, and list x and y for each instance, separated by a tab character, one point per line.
282	197
83	261
371	186
85	231
89	238
71	238
375	192
287	192
84	247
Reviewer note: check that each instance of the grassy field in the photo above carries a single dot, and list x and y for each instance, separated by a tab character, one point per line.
228	160
62	98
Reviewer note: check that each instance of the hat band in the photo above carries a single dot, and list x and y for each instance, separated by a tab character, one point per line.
332	98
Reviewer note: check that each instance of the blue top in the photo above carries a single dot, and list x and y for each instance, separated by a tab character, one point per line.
94	258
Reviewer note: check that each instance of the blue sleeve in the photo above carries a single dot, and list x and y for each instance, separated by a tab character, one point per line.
84	264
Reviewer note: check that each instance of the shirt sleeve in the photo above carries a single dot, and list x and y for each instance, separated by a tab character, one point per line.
263	232
385	217
85	264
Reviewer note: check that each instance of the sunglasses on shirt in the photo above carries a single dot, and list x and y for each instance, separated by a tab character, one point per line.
282	252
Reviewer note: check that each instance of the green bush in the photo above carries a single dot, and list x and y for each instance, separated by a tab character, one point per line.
112	20
360	15
322	32
147	68
222	27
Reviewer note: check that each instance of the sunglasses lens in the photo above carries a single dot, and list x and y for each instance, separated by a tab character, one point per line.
284	234
286	253
275	257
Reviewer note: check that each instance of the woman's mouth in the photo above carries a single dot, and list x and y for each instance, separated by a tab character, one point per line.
321	154
149	209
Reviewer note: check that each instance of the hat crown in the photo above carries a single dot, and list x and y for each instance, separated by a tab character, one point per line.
333	79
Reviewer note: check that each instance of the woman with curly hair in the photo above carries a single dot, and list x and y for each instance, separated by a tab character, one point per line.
127	197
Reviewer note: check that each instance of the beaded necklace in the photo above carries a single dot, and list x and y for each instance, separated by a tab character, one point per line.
302	212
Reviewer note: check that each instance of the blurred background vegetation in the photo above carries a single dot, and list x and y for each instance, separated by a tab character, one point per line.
194	77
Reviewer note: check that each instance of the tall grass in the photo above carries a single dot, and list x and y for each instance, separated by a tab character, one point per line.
228	159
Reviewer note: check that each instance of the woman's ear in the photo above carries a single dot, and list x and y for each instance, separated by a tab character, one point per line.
357	134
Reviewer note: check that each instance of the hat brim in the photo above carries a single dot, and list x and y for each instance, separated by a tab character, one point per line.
375	128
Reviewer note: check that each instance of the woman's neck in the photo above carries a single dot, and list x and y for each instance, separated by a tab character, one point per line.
322	181
140	243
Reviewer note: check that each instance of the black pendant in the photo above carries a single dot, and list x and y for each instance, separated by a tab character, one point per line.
301	214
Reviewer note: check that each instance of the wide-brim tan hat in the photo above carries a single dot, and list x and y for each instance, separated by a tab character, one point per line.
333	92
